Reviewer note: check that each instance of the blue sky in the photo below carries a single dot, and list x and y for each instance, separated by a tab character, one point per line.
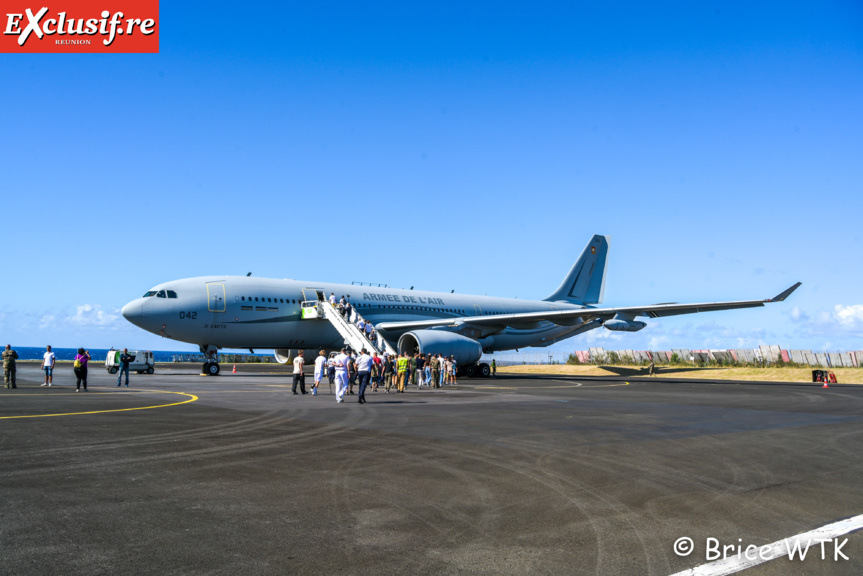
448	146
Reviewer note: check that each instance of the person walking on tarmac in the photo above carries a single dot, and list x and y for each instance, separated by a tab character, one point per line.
404	364
320	367
377	371
493	368
352	371
125	358
299	376
435	371
388	373
9	357
364	370
341	364
650	367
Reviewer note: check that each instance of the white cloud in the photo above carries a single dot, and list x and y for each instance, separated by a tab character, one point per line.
47	321
90	315
842	320
849	316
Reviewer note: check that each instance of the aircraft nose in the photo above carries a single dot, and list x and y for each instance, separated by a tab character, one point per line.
133	311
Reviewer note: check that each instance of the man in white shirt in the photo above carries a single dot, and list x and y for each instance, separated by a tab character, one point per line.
299	377
341	364
364	371
332	298
48	366
320	366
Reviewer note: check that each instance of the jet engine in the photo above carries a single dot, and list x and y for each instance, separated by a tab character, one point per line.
283	355
465	350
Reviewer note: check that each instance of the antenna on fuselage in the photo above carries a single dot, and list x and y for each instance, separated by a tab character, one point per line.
452	291
249	274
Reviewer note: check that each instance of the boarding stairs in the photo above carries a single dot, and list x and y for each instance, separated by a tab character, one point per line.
347	327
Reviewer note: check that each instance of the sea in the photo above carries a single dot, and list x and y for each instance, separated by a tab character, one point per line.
96	354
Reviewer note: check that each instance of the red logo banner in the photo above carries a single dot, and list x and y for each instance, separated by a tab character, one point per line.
104	26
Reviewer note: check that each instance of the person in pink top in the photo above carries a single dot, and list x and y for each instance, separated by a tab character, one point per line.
81	359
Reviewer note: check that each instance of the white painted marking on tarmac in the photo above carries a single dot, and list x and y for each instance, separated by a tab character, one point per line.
780	549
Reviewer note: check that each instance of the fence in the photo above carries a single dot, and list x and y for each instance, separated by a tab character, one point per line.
761	356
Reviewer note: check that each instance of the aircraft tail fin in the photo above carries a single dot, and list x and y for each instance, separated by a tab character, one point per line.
585	283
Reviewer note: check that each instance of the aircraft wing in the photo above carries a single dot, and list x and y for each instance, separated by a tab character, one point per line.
573	317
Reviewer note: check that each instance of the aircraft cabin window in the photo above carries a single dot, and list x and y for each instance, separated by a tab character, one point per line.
282	300
150	293
160	294
172	294
256	298
243	298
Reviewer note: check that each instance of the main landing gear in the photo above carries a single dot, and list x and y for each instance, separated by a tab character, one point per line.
476	370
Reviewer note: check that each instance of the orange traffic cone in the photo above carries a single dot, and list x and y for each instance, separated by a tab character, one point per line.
235	368
825	385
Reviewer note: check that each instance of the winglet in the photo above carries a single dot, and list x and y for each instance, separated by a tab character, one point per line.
785	294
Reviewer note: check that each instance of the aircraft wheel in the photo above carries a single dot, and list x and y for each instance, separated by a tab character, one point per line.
113	370
150	370
484	370
213	369
470	371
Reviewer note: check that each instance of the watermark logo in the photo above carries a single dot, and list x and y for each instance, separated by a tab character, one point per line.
80	26
792	548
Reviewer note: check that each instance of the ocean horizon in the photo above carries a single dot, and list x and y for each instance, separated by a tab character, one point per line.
98	354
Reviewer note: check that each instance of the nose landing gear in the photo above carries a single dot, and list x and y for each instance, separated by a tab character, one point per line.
211	369
211	360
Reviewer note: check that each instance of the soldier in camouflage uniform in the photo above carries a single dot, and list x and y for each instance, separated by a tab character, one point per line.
435	370
9	357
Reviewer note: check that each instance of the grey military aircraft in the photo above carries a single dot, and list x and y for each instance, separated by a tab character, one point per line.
237	312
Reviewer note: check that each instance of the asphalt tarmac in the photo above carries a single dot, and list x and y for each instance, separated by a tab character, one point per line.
183	474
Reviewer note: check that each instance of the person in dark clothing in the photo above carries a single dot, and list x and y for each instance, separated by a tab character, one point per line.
9	358
418	372
125	359
80	369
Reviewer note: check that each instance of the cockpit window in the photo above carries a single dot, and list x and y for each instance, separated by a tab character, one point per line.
172	294
150	293
160	294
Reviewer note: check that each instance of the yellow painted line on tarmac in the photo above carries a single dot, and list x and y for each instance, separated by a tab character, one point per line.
192	398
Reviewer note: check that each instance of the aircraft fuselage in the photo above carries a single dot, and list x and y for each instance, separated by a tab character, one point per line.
249	312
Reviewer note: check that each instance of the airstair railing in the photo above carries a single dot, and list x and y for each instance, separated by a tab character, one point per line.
350	331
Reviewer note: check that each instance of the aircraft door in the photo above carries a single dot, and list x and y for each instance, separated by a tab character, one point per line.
313	294
215	297
477	310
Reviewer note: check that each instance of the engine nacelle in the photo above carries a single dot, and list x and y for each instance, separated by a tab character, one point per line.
465	350
624	325
283	355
